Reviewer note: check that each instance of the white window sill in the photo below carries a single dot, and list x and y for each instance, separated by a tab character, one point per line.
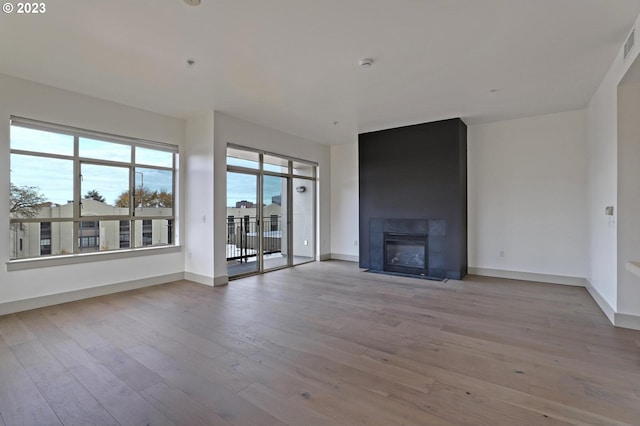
45	262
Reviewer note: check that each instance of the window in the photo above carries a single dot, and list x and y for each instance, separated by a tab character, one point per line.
45	238
147	232
125	236
241	158
89	225
78	191
89	236
89	243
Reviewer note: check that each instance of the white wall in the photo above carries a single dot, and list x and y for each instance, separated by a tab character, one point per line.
32	100
344	202
199	199
302	205
629	191
602	187
527	195
229	129
602	166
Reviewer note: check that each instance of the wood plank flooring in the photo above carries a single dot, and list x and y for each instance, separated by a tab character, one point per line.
322	344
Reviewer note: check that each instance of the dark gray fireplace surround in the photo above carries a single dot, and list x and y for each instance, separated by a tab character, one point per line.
413	200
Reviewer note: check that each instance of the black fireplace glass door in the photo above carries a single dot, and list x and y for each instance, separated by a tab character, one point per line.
405	253
408	255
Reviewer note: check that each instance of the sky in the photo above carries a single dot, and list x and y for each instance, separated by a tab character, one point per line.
54	177
242	186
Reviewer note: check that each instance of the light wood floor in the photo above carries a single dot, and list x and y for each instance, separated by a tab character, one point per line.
322	344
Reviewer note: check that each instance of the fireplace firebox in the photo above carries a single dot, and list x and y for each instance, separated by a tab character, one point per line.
406	253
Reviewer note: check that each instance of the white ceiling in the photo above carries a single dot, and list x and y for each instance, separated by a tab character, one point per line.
293	64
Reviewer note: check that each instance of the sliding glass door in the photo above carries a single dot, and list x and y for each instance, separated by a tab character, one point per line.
243	242
270	212
275	252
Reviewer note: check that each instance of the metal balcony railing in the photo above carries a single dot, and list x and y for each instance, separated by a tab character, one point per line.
243	237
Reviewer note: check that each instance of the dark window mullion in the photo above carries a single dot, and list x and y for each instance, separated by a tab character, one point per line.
77	197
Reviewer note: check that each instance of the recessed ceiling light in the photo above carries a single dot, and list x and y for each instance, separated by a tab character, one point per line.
366	62
192	2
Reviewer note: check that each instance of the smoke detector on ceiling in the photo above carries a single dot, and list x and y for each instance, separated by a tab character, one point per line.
366	63
192	2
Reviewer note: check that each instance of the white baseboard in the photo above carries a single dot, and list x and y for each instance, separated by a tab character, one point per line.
221	280
606	308
71	296
627	321
345	257
207	280
528	276
198	278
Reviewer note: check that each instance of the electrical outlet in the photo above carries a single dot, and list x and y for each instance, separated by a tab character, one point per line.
306	243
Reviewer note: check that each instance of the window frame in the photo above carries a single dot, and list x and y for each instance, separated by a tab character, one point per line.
134	213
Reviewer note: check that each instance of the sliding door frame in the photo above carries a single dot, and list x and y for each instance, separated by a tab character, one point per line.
260	173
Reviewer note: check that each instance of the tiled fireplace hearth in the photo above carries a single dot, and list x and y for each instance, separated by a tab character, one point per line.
408	246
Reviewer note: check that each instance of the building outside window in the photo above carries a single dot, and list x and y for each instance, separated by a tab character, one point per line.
231	225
